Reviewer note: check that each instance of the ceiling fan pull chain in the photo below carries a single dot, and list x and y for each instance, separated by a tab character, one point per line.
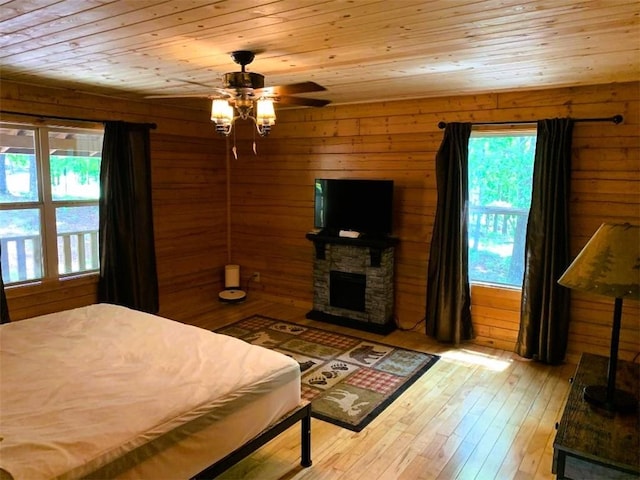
234	149
255	150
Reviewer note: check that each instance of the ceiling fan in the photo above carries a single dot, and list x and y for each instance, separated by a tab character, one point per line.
245	91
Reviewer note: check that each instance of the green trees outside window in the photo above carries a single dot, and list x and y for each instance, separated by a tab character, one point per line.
500	181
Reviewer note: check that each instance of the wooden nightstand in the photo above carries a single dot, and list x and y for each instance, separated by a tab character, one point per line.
593	443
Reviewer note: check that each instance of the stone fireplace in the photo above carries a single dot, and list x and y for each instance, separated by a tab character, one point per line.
353	282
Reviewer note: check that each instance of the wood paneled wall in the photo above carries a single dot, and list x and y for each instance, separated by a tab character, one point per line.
272	197
189	200
272	194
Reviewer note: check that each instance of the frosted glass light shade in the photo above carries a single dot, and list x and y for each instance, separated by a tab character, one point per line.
221	112
265	113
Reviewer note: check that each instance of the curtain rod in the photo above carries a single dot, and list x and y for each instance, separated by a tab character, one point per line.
615	119
72	119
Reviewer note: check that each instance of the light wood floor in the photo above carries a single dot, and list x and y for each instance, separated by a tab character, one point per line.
478	413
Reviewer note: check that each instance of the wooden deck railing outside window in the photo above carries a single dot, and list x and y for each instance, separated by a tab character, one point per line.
501	231
22	255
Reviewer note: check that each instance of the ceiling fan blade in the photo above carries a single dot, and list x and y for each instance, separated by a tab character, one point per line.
192	82
242	88
189	95
291	89
305	102
216	93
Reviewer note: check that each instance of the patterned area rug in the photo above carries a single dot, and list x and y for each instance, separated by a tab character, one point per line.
348	380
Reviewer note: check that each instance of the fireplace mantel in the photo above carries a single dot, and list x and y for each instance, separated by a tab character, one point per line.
375	244
353	281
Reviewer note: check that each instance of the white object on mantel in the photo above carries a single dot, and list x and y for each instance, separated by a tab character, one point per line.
348	234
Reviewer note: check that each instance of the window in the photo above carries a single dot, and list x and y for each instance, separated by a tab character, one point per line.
49	190
500	181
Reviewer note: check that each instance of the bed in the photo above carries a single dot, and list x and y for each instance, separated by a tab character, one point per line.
108	392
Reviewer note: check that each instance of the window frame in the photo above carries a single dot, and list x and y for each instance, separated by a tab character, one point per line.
499	131
45	203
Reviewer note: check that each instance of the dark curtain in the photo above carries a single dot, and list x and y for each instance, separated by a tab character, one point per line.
544	319
448	317
128	274
4	308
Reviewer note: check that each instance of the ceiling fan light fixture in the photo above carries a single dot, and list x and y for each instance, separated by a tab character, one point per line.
265	113
265	116
222	116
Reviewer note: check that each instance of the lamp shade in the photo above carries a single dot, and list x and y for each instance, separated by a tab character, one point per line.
221	112
265	113
609	264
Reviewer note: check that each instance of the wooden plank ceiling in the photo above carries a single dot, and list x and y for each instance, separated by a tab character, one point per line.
360	50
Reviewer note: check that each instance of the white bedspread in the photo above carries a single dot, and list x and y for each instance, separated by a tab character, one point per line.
89	387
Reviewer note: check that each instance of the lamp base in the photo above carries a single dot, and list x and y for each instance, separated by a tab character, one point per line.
232	295
622	402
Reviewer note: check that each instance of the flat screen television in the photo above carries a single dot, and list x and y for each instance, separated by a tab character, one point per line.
364	206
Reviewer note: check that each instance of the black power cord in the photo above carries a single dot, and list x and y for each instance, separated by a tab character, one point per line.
415	325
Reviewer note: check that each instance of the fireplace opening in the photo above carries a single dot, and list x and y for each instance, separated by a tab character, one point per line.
347	290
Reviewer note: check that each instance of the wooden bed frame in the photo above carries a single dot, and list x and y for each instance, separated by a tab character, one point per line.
302	414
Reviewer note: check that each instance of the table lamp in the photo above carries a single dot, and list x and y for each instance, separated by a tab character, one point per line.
609	265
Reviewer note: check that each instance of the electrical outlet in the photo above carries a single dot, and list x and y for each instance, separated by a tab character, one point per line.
256	277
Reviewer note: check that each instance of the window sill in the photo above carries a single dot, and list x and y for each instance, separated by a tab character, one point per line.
497	286
49	285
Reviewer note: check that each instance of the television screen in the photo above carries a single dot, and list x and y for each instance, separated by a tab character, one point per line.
364	206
